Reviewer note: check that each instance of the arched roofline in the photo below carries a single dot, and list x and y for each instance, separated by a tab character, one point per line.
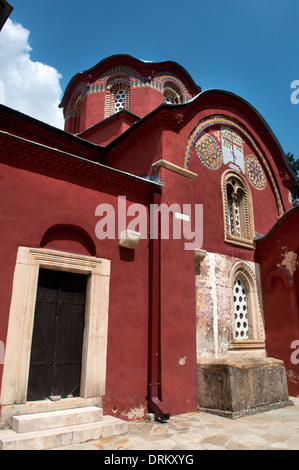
142	66
182	108
261	119
293	212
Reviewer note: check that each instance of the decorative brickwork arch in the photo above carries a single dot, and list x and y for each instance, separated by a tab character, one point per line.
172	93
117	94
75	113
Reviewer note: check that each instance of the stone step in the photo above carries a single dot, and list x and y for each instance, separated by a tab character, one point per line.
56	419
57	437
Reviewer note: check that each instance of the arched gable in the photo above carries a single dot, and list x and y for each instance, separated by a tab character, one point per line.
252	165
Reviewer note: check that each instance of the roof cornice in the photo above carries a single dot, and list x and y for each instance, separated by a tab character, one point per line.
52	159
30	128
123	115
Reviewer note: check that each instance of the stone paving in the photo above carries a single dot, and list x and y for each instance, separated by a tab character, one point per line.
271	430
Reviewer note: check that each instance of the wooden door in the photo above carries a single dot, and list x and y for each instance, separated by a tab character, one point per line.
56	351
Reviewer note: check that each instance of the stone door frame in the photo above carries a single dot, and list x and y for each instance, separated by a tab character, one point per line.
21	317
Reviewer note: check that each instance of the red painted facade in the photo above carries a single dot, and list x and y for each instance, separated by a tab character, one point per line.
52	182
278	256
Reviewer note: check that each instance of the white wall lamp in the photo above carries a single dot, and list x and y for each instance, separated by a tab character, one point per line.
129	239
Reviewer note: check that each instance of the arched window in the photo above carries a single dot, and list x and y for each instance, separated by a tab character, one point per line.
75	113
237	210
247	320
117	94
241	309
172	93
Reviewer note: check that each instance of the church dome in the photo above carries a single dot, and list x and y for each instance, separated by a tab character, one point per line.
123	83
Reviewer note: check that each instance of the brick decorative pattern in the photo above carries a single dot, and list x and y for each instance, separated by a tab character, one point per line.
157	82
209	152
221	120
115	84
255	172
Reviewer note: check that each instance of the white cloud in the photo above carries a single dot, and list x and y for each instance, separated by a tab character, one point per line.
29	87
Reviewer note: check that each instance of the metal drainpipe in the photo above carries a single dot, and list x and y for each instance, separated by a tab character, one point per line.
154	367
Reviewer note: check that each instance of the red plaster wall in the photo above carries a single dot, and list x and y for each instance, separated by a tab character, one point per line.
108	131
31	203
138	157
92	112
178	309
204	189
95	109
142	101
169	145
280	293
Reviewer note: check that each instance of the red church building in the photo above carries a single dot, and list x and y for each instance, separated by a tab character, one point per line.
149	251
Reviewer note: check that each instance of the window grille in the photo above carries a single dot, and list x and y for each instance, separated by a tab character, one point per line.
237	215
234	213
240	310
119	101
168	100
247	319
230	216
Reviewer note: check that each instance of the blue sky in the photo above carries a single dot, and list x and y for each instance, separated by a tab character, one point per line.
250	48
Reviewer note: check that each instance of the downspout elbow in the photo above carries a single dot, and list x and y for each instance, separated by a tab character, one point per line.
158	408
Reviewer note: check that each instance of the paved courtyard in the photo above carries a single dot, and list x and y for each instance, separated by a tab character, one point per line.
272	430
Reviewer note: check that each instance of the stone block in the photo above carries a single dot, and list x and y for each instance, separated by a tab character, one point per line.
240	386
109	426
56	419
